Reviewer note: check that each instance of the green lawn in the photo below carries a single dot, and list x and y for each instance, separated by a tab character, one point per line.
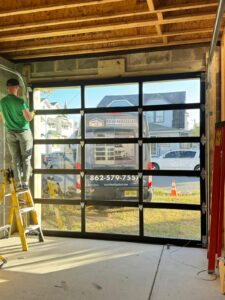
125	220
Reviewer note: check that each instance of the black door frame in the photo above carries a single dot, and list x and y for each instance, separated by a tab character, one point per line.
141	205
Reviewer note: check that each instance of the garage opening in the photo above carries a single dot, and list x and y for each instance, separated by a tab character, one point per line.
122	159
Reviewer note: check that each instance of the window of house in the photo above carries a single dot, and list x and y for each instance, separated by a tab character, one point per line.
159	116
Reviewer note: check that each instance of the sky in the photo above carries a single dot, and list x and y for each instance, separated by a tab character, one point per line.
94	94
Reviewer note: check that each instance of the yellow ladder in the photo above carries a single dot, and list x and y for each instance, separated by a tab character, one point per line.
19	209
2	261
53	191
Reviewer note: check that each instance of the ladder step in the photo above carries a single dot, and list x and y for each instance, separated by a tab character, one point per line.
31	228
17	193
5	228
22	192
26	209
7	195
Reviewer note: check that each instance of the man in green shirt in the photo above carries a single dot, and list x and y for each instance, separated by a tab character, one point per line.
16	116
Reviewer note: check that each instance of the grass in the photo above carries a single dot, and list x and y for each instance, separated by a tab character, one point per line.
125	220
160	195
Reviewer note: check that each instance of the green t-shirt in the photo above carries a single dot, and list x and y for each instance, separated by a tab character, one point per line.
11	107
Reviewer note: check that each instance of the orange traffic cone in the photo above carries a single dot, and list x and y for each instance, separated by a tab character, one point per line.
173	189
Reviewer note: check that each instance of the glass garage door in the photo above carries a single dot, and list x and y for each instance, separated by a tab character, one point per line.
121	159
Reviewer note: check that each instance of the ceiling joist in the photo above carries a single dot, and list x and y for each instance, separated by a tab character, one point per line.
45	8
100	28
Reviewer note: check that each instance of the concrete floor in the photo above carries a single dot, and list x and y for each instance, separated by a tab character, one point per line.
77	269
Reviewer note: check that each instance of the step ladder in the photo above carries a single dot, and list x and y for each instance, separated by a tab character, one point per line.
2	261
21	205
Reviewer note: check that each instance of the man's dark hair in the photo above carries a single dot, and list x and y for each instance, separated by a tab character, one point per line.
12	82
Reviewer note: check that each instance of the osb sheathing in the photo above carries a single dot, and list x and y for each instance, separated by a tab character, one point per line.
36	29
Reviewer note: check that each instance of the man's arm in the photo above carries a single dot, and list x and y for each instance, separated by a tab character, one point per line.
28	116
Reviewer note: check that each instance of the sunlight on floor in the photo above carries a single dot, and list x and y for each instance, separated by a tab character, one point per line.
41	260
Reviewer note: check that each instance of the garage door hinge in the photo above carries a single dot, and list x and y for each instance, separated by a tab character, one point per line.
203	139
203	77
140	207
202	107
203	174
204	241
204	208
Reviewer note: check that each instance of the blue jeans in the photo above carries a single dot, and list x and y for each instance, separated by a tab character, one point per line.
20	145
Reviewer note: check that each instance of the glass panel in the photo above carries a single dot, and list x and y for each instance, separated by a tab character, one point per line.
56	156
172	223
111	125
57	98
171	92
171	123
60	217
111	95
168	189
57	186
120	220
112	187
112	156
56	126
171	156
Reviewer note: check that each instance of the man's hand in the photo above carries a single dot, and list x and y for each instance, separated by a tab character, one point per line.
28	116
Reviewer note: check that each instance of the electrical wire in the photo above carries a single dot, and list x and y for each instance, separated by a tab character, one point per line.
192	266
202	271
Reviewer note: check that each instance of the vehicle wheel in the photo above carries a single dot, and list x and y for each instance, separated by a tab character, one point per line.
197	168
155	166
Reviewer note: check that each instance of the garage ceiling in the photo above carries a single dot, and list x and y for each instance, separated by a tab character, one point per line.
55	28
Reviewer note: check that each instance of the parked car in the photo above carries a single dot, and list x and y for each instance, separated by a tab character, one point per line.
178	160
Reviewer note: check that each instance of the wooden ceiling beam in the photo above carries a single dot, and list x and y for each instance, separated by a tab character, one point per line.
103	41
80	43
97	41
151	7
46	8
108	49
102	28
185	6
69	21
